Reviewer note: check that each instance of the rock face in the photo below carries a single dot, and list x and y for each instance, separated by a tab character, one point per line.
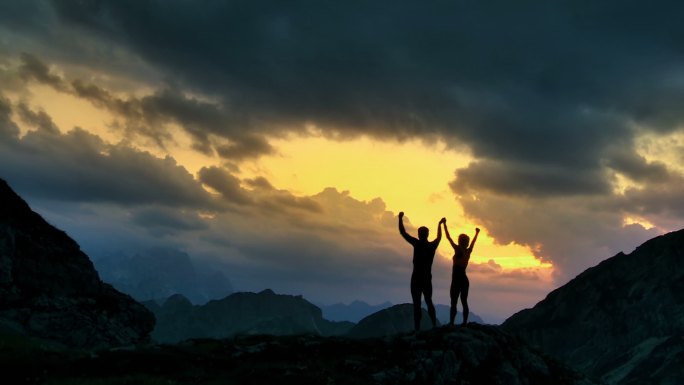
475	355
393	320
50	289
358	310
622	320
240	313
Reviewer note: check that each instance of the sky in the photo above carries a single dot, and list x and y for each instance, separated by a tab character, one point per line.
278	141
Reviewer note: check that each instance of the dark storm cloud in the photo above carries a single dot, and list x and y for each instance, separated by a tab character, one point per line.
34	69
168	221
533	83
262	195
224	183
79	166
524	179
8	129
149	115
246	146
663	200
38	119
637	168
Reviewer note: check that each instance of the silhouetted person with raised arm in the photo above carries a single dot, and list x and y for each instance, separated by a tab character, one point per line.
459	280
421	279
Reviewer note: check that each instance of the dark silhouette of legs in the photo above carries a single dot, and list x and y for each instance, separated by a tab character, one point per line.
415	296
454	292
459	288
452	312
464	300
428	301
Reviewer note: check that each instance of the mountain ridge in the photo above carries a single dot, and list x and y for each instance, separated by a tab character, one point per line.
612	317
51	290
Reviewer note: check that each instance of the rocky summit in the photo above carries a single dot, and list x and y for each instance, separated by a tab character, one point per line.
393	320
621	321
50	289
471	355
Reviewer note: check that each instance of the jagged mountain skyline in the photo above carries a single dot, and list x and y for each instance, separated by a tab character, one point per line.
280	142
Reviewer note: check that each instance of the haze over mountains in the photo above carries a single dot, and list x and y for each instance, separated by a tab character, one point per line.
158	273
240	313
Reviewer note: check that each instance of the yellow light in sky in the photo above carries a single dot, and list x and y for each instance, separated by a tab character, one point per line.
665	148
410	176
631	220
68	111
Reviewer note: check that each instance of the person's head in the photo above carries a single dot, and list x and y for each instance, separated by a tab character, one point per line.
463	240
423	233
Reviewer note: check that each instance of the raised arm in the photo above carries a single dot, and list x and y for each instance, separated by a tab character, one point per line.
439	230
446	230
472	244
403	232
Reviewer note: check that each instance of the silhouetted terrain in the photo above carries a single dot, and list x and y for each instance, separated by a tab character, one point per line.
240	313
353	312
160	273
387	322
358	310
443	315
475	354
50	289
622	320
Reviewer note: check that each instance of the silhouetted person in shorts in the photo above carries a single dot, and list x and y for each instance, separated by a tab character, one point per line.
421	279
459	280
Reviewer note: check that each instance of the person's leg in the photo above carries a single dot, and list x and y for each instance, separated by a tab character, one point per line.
415	296
464	300
428	301
454	292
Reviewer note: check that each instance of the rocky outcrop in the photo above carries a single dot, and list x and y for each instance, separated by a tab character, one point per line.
50	289
619	319
393	320
443	315
358	310
240	313
475	355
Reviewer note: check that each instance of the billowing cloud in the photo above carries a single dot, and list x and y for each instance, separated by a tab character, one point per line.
38	119
528	179
224	183
80	166
167	221
210	125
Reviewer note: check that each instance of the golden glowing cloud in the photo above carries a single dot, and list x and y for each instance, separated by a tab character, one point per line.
410	176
